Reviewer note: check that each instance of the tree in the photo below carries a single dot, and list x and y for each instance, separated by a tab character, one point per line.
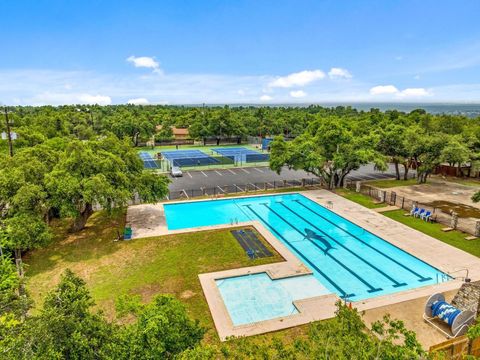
344	337
392	144
162	328
65	329
13	303
165	133
23	232
425	150
328	149
457	153
106	172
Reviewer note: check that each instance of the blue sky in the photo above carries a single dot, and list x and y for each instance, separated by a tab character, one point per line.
258	51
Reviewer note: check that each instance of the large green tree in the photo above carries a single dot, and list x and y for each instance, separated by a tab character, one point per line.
65	328
328	149
106	172
162	328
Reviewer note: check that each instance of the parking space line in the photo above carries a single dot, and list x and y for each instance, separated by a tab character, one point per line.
203	173
233	172
255	186
221	189
238	187
189	174
248	172
218	173
183	190
258	170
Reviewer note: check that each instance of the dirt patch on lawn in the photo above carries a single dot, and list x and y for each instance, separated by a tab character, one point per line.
461	209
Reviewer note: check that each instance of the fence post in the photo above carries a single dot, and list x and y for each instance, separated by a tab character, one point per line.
477	228
303	182
274	185
265	186
284	183
454	220
403	201
358	186
383	196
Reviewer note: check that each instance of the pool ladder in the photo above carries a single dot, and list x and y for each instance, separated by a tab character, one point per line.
234	221
445	277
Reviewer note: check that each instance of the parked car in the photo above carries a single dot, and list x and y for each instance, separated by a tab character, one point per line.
176	171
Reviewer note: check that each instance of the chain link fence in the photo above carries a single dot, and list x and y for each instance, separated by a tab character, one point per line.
451	219
219	191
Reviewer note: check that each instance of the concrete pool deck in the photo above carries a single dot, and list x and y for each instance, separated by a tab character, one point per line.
149	220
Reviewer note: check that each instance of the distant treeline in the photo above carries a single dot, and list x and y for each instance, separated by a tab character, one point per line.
139	123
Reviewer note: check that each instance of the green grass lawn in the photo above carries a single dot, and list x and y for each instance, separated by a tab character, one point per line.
167	264
361	199
385	184
454	238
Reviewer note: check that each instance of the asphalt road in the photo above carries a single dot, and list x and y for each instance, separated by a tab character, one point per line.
209	179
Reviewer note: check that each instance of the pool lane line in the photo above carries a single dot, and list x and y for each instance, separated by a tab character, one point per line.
397	284
359	278
344	294
421	277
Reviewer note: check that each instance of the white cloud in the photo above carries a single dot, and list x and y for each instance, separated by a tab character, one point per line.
339	73
138	101
414	92
417	77
95	99
145	62
61	98
301	78
266	98
41	87
405	93
241	92
383	89
298	94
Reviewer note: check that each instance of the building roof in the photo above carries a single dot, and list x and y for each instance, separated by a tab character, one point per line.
175	130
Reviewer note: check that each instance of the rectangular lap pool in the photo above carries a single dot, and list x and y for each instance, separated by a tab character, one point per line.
345	258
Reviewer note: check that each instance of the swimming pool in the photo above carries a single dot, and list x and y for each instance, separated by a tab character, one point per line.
256	297
345	258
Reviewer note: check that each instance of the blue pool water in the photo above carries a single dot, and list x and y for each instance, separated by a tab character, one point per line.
345	258
256	297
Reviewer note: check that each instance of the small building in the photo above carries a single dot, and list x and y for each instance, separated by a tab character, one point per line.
178	133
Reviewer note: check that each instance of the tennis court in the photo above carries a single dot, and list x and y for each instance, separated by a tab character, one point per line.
242	154
188	158
148	161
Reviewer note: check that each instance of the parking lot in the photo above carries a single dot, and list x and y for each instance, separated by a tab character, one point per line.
209	179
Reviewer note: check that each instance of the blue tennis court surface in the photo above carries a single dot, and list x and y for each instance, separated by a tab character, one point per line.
241	154
148	161
188	158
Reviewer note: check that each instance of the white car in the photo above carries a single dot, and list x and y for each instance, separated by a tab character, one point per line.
176	171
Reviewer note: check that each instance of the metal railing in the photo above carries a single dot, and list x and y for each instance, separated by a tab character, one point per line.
219	191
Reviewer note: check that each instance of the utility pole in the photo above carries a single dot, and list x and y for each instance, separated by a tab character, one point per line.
9	134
